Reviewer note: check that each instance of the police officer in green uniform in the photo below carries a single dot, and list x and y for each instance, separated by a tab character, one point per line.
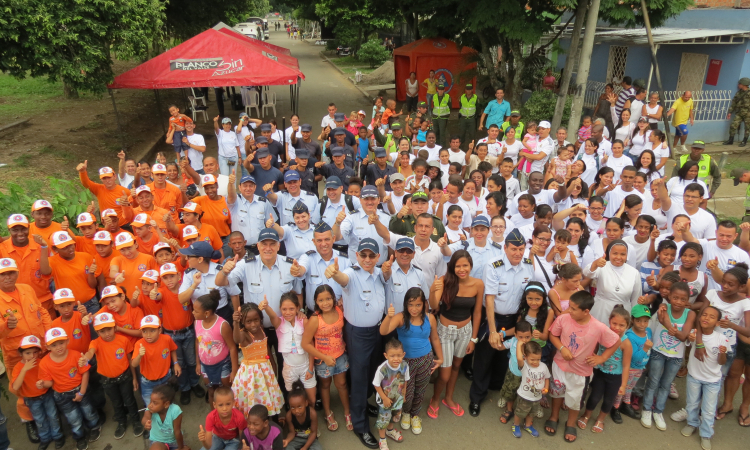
403	222
743	176
390	141
706	166
741	108
514	121
467	121
440	113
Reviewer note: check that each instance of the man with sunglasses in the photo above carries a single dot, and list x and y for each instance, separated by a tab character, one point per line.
353	228
404	275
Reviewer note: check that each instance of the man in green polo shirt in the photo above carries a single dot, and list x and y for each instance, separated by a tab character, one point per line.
440	113
403	222
467	116
706	166
514	121
390	141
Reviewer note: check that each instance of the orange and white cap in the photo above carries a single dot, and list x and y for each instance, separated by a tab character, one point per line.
61	239
150	321
140	189
124	239
208	179
159	168
63	296
109	213
18	219
54	335
192	207
102	237
40	204
105	172
150	275
85	219
141	220
103	320
7	265
110	291
30	342
167	269
189	232
161	245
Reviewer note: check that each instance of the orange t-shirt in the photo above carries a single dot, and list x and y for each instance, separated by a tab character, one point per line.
29	270
216	214
28	388
156	214
149	307
107	199
111	357
85	245
176	315
104	263
65	375
79	336
129	319
207	233
72	275
180	121
46	233
156	362
147	247
133	269
169	198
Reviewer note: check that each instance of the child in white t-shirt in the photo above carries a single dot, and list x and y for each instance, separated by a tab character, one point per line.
534	384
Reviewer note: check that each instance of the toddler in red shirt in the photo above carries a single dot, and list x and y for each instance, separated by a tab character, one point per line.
225	423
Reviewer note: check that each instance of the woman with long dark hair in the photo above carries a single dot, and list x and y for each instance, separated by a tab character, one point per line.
541	239
579	236
603	182
629	211
646	163
688	174
458	297
659	146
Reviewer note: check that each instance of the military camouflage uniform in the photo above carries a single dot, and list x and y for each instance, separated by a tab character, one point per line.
741	108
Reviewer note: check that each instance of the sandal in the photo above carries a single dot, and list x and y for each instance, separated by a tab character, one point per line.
457	410
741	420
394	434
349	424
550	425
583	422
544	402
531	430
506	416
332	424
570	431
598	427
432	412
723	413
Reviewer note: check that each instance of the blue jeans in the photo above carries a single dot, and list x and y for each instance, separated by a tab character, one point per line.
177	142
186	357
702	397
224	167
218	443
661	372
92	307
4	441
147	386
44	411
77	413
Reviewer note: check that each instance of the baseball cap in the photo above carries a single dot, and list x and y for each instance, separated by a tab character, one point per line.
109	213
265	127
30	341
61	239
167	269
305	127
362	112
544	124
339	117
40	204
480	221
333	182
192	207
18	219
226	120
380	152
396	126
640	311
54	335
368	244
160	246
404	242
189	232
338	131
106	172
110	291
262	153
369	191
63	296
337	151
150	321
698	144
102	237
7	265
140	220
243	114
247	179
441	86
200	249
261	140
140	189
159	168
208	179
419	196
302	154
422	104
396	177
268	234
291	175
469	86
150	275
515	113
737	174
124	239
85	219
104	320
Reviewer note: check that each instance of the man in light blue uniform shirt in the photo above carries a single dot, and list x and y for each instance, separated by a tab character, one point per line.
209	278
504	283
313	265
355	227
363	286
249	211
483	251
404	275
298	235
285	201
332	204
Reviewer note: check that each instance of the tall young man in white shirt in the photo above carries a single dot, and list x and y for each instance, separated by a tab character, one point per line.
702	223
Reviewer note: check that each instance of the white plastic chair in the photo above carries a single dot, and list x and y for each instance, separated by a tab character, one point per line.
198	96
251	99
198	109
269	101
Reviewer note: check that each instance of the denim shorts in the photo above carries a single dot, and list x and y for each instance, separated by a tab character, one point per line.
681	130
323	370
170	446
214	373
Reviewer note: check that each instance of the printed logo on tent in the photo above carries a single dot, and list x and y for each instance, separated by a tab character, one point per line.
446	77
270	56
439	44
218	65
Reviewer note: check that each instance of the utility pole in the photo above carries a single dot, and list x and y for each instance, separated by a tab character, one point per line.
584	65
655	63
575	38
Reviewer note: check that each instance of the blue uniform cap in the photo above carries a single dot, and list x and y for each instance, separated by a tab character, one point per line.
268	233
265	127
369	191
302	154
380	152
339	131
300	208
200	249
333	182
404	242
515	238
368	244
337	151
261	140
305	127
339	117
480	221
247	179
322	227
291	175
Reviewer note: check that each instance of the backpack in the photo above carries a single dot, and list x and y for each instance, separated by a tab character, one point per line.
347	200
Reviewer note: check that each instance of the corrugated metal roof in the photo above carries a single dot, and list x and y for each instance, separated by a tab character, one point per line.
637	36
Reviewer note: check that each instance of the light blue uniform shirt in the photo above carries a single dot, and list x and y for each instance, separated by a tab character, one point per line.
285	202
507	282
258	280
364	297
208	284
357	227
331	211
250	217
481	256
496	112
315	269
511	344
297	241
400	282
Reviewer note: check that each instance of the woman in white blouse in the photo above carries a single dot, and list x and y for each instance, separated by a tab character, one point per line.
540	243
639	139
688	174
617	283
624	129
657	139
511	146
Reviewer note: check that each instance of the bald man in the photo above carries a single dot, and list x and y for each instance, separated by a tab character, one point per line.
211	167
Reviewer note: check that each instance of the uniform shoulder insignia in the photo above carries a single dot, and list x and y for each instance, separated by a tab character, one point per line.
498	263
527	260
289	260
249	257
310	252
416	267
188	270
343	254
262	199
291	224
219	267
497	245
465	244
355	267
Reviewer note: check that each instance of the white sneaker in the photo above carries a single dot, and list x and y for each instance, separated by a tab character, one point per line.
416	425
684	149
501	403
679	416
673	394
405	421
659	422
646	419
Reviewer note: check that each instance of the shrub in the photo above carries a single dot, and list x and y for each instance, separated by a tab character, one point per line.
541	106
373	53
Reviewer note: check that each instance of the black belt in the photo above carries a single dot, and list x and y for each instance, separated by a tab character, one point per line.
464	117
184	330
107	381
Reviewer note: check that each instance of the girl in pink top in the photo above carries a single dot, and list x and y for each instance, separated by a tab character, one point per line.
530	141
215	344
569	282
324	340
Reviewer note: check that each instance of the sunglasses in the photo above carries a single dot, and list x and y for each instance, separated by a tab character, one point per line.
405	250
368	255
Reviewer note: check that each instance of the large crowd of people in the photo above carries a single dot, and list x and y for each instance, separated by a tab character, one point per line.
560	267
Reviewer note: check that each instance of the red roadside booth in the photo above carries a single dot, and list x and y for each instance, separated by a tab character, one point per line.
452	65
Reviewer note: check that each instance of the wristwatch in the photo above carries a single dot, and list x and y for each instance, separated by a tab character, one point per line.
474	340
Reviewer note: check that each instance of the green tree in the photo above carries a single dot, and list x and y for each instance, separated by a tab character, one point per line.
373	53
186	18
366	16
73	41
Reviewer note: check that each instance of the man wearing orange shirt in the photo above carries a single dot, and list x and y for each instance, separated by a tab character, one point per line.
86	224
109	194
166	195
105	252
43	225
191	215
145	235
145	199
21	314
73	270
215	210
128	268
27	254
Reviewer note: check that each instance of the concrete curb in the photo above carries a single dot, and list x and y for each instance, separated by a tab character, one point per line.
361	91
14	124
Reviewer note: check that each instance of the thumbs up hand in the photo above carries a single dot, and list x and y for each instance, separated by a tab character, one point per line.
296	269
230	265
81	309
372	218
65	225
269	186
12	321
333	269
142	350
237	315
386	267
264	304
233	177
270	221
154	294
443	241
136	295
642	300
601	262
82	361
713	264
86	319
120	278
201	434
437	284
92	268
341	216
651	280
391	311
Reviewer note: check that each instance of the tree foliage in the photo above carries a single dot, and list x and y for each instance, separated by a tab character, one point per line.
373	53
186	18
541	106
365	16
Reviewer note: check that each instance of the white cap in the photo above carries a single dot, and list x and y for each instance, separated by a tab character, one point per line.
103	320
160	245
110	291
54	335
159	168
189	232
85	219
544	124
167	269
124	239
109	213
7	265
40	204
141	220
105	172
18	219
150	275
30	341
143	188
63	296
61	239
150	321
102	237
208	179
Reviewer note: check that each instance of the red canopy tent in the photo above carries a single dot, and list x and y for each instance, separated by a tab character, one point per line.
449	62
226	29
